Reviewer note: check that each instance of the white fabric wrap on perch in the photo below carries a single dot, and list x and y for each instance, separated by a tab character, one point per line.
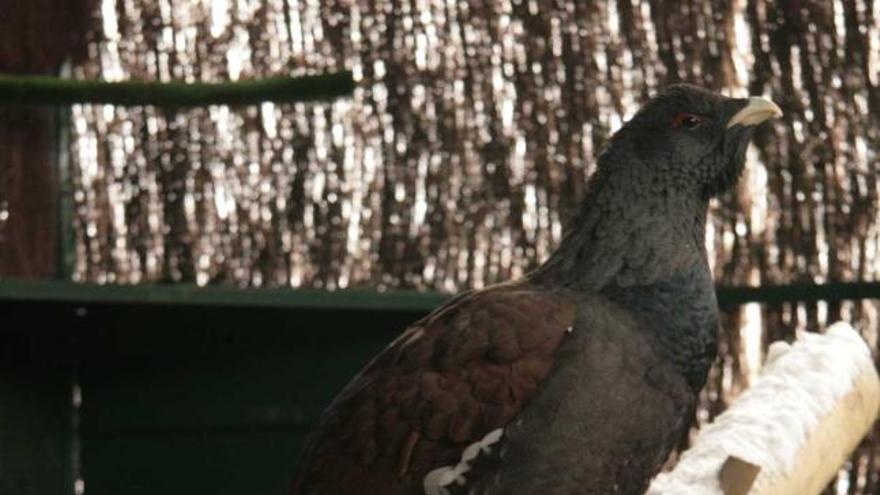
811	405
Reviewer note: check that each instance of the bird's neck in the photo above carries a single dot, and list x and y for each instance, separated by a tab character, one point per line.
642	245
635	228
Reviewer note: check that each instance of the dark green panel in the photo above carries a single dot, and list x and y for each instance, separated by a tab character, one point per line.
143	369
36	421
35	433
192	463
176	398
196	400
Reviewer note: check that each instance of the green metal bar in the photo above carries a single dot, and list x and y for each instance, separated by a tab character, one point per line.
42	90
65	250
797	293
187	294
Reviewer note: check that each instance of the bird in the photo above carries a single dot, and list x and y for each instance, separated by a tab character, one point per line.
583	375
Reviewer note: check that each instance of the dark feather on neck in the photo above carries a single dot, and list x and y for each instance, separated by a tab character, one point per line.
637	225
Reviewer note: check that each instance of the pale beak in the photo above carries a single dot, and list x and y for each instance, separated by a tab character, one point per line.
756	111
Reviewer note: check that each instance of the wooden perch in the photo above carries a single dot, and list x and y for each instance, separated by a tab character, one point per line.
793	430
737	476
41	90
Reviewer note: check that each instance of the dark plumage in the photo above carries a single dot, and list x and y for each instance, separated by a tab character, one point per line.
581	377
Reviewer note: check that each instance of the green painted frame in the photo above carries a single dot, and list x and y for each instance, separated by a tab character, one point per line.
54	91
60	291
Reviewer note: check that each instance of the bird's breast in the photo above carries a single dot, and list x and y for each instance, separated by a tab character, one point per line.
681	312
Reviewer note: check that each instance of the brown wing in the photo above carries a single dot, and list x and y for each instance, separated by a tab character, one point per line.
461	372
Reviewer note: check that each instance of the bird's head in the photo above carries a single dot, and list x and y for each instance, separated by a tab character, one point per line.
644	214
693	139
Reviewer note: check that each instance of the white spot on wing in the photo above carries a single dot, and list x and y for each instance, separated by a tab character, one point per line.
436	481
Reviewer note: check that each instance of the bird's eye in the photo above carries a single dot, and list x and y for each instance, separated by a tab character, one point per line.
686	120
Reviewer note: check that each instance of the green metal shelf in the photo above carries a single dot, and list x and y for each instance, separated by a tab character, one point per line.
49	91
396	300
190	294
